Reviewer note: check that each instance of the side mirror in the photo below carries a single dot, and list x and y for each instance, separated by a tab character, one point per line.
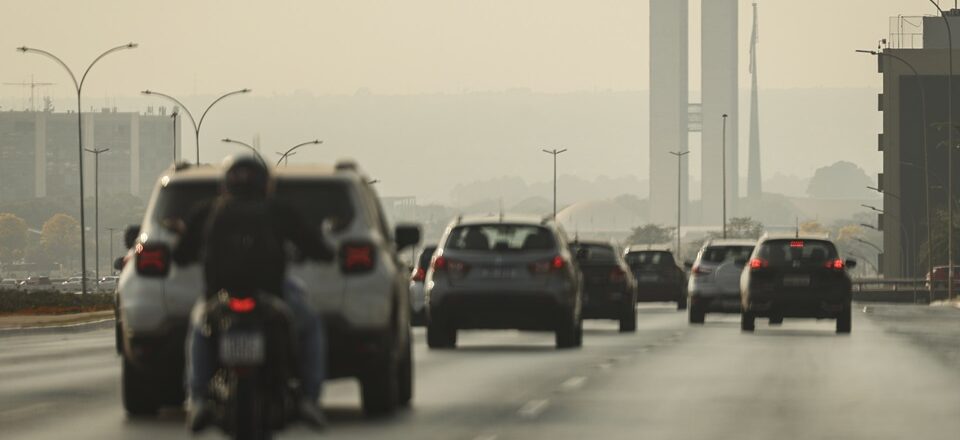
851	263
118	264
406	236
130	235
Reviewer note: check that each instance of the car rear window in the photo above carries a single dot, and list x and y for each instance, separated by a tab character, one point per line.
650	258
318	200
501	238
425	255
720	254
598	253
178	200
786	252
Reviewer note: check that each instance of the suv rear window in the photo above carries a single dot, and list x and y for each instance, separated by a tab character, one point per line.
501	238
177	200
598	253
650	258
318	200
784	252
720	254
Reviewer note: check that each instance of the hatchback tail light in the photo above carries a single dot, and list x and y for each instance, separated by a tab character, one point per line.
153	260
554	264
700	270
419	275
836	264
444	264
617	275
758	263
357	258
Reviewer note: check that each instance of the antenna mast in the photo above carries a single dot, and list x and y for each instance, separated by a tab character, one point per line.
33	90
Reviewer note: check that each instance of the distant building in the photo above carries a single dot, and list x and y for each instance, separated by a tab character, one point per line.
920	42
38	152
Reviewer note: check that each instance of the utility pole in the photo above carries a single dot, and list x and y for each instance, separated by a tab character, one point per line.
555	152
679	156
950	147
111	249
173	116
96	204
724	164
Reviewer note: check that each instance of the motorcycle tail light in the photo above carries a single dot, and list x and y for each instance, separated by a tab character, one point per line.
242	305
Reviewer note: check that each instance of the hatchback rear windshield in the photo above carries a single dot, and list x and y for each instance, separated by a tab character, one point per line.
318	200
783	252
650	258
721	254
501	238
598	253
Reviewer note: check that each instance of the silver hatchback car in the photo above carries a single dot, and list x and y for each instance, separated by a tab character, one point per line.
714	284
504	273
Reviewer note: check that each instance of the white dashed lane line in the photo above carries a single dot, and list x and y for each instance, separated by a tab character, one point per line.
573	383
533	408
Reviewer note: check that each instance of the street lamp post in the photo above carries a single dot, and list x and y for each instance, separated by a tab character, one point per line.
78	85
285	158
250	147
950	148
926	154
96	206
290	152
679	155
909	243
111	249
724	165
196	125
173	116
555	152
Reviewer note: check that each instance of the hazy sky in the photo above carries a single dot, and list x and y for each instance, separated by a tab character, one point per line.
414	46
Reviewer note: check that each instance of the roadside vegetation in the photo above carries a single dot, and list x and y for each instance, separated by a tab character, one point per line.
13	302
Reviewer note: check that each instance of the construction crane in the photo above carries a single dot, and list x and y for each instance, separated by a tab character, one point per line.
33	89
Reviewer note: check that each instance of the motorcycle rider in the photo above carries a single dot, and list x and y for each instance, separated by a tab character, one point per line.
242	238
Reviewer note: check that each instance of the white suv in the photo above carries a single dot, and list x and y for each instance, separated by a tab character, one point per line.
714	285
363	297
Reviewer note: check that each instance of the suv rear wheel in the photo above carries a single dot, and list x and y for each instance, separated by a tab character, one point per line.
747	321
380	388
697	315
440	336
569	335
405	375
843	320
140	394
629	322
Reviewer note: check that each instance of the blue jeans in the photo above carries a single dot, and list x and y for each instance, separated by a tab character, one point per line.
201	360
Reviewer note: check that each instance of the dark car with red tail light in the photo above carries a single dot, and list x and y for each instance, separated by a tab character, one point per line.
418	286
796	277
363	297
659	277
609	289
503	273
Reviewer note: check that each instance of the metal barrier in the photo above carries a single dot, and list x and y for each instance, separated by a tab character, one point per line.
904	290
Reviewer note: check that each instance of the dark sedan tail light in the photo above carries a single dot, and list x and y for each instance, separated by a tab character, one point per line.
153	260
554	264
836	264
617	275
357	258
444	264
758	263
419	275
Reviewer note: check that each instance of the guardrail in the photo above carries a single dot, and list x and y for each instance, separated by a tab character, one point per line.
902	290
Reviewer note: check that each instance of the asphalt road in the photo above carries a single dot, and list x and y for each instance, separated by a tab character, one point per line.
667	381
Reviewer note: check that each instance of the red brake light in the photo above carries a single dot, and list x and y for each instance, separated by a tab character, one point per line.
554	264
152	260
558	263
443	264
356	258
836	264
759	263
242	305
617	275
440	264
796	244
697	270
419	275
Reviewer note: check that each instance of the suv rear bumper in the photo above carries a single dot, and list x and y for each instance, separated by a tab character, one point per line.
799	304
607	305
521	311
651	292
726	303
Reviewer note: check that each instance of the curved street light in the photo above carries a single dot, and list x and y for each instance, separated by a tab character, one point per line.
78	85
251	147
950	147
196	125
290	151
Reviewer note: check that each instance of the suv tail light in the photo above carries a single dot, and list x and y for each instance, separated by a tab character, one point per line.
617	275
356	258
444	264
700	270
153	260
554	264
836	264
758	263
419	275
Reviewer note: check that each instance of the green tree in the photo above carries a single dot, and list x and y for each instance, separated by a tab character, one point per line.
60	239
13	238
744	227
650	234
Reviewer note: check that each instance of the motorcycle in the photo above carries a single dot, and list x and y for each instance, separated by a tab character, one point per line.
254	391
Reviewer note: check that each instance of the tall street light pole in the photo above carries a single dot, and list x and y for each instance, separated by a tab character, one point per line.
926	157
96	206
679	155
950	148
284	157
905	238
78	85
173	117
250	147
724	165
290	152
196	125
111	249
555	152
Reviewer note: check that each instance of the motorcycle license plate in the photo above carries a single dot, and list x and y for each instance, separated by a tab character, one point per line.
242	348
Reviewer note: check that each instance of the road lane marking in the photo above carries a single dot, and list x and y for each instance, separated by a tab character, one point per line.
486	437
604	366
533	408
24	411
573	383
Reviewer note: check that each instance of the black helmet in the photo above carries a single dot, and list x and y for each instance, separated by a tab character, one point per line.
246	176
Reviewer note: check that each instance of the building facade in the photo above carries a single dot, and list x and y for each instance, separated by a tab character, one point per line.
39	157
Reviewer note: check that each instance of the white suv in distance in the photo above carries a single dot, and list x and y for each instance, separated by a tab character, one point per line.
363	297
714	285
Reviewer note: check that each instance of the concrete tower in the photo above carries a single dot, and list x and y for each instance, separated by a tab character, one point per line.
754	177
668	107
720	88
